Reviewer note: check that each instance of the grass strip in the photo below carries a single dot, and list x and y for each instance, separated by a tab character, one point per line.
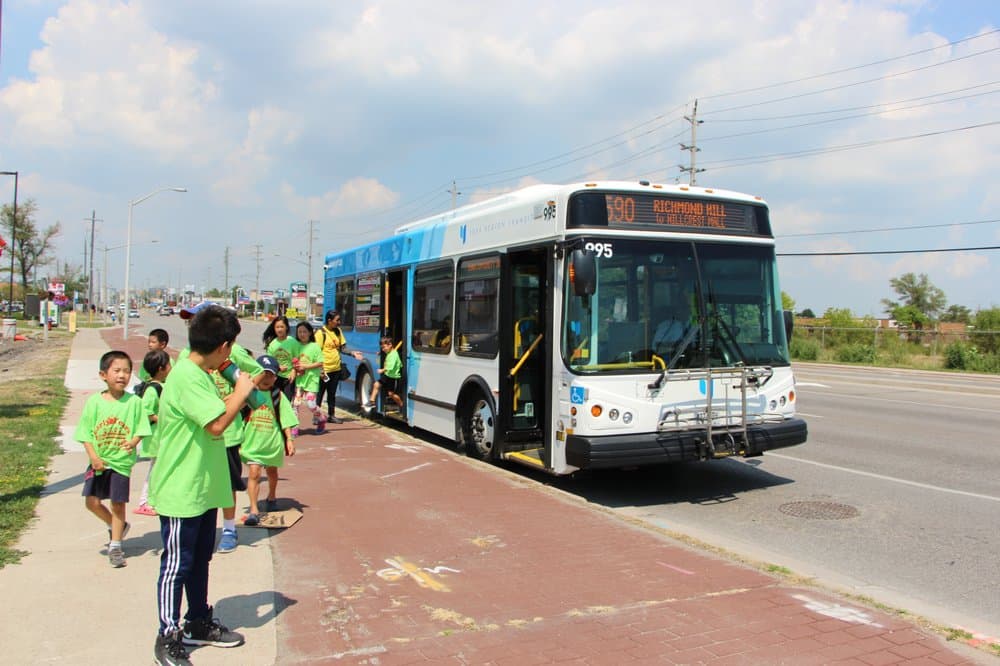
30	411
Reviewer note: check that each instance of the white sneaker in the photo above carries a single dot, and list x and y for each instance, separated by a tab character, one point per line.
368	407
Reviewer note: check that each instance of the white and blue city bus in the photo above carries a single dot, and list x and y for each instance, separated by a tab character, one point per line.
529	325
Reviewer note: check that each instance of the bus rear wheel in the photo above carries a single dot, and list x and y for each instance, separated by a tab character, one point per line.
478	424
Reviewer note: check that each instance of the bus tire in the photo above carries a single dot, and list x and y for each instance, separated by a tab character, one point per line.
363	387
478	424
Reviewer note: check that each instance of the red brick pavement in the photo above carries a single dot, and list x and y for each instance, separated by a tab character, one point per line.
408	554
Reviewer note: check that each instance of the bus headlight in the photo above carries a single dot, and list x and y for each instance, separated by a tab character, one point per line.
627	418
613	414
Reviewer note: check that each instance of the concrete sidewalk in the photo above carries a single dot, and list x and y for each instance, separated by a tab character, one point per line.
65	604
409	554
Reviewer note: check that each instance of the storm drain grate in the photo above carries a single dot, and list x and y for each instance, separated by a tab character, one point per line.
819	510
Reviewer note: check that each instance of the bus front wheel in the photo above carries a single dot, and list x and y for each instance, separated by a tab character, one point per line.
478	424
363	387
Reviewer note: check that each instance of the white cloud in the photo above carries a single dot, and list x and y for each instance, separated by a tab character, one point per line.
252	161
355	197
103	75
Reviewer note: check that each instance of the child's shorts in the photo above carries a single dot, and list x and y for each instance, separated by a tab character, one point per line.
388	384
109	484
235	469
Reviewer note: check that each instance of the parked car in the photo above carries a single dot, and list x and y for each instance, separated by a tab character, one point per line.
133	314
166	311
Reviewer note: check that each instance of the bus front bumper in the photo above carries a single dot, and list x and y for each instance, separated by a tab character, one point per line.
659	448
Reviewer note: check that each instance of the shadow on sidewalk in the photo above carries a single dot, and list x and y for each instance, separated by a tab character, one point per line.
59	486
253	610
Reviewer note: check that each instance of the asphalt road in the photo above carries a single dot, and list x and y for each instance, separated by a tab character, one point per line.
896	495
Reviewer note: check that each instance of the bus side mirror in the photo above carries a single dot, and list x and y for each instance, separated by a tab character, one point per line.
583	272
789	324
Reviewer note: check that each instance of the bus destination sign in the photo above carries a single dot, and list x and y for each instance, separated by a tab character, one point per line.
676	213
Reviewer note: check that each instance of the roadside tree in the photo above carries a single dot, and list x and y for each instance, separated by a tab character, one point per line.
29	245
920	301
957	313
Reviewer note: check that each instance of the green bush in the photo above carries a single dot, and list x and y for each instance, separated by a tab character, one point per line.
984	363
804	349
957	355
856	352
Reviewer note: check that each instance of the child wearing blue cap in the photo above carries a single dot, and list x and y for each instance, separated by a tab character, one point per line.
267	439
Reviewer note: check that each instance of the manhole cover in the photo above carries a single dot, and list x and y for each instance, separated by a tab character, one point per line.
819	510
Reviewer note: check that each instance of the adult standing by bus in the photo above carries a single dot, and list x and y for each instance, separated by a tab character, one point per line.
331	340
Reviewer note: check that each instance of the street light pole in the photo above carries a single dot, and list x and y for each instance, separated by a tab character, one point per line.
128	249
13	240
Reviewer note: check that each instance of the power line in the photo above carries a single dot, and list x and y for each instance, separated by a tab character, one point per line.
851	117
590	145
867	231
853	108
845	254
775	157
856	83
849	69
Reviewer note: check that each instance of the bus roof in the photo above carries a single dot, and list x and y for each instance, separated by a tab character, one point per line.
553	191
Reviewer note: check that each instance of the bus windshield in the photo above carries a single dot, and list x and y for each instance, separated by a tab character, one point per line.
674	305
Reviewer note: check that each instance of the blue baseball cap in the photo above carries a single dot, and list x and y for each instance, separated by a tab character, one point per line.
269	363
192	310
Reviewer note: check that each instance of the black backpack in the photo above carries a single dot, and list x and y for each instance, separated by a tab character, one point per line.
140	388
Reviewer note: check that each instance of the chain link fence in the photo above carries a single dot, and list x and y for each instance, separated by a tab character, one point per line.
949	349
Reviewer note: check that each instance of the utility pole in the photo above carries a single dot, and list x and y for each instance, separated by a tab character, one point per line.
226	279
257	298
309	264
90	273
454	195
693	148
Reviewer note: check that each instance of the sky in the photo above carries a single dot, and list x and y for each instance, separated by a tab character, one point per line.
866	126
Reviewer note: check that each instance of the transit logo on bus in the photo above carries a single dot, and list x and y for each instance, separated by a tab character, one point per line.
462	233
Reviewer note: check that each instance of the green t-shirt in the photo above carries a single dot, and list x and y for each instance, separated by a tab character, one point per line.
246	363
284	351
191	474
262	440
108	423
309	380
151	405
393	365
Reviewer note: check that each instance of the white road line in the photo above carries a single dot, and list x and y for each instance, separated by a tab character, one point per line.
882	477
798	383
871	398
811	416
404	471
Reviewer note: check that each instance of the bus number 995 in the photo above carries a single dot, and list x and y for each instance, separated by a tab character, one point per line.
600	249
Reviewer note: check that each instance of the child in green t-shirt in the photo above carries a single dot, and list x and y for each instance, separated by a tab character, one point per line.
285	348
267	439
157	341
156	366
190	483
309	367
391	372
110	428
